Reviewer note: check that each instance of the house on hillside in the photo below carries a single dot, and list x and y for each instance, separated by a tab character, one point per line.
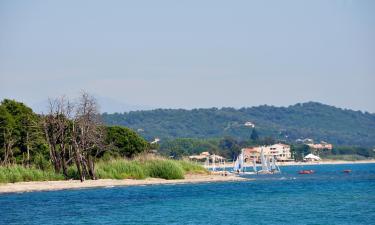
249	124
318	148
321	146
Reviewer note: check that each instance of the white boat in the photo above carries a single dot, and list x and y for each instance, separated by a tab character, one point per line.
239	165
268	164
274	168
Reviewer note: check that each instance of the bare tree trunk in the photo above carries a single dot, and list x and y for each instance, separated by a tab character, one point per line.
90	162
77	154
56	159
63	162
84	166
79	169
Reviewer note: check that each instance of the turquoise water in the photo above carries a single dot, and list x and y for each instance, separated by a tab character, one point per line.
326	197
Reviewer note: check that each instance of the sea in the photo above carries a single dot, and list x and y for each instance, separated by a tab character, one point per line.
328	196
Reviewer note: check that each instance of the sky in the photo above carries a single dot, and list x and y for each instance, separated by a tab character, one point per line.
189	54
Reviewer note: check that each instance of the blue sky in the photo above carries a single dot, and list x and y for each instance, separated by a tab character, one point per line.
187	54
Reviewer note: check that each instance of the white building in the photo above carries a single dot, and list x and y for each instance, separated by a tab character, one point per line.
280	151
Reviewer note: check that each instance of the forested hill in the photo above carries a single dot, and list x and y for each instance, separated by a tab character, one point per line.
307	120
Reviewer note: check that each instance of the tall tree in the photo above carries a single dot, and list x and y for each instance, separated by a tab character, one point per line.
87	135
124	141
57	129
23	130
9	135
230	146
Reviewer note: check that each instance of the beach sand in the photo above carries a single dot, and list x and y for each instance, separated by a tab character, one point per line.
75	184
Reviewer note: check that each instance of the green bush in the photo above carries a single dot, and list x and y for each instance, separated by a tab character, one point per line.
41	162
120	169
72	173
166	169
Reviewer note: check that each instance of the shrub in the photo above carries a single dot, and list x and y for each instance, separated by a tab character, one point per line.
41	162
166	169
119	169
72	173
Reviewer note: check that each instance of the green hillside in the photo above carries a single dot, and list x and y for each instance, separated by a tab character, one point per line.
307	120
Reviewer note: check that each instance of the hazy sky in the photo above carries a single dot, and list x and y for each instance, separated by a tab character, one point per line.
190	54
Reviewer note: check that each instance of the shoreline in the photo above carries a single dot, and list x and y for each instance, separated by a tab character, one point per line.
323	162
32	186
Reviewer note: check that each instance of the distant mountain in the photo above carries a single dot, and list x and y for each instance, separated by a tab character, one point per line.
110	105
306	120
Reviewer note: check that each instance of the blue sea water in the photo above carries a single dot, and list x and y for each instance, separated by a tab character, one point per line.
327	197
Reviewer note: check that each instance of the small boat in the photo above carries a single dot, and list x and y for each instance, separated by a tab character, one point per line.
306	171
268	164
347	171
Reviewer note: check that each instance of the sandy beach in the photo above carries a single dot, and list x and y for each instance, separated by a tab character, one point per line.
75	184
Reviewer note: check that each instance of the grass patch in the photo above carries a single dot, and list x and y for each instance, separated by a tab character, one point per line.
166	169
138	168
120	169
143	167
17	173
192	167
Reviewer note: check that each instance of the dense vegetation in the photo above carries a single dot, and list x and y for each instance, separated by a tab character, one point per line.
71	142
124	142
116	168
308	120
143	167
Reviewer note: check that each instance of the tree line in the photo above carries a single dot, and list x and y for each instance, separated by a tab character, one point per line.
308	120
70	134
